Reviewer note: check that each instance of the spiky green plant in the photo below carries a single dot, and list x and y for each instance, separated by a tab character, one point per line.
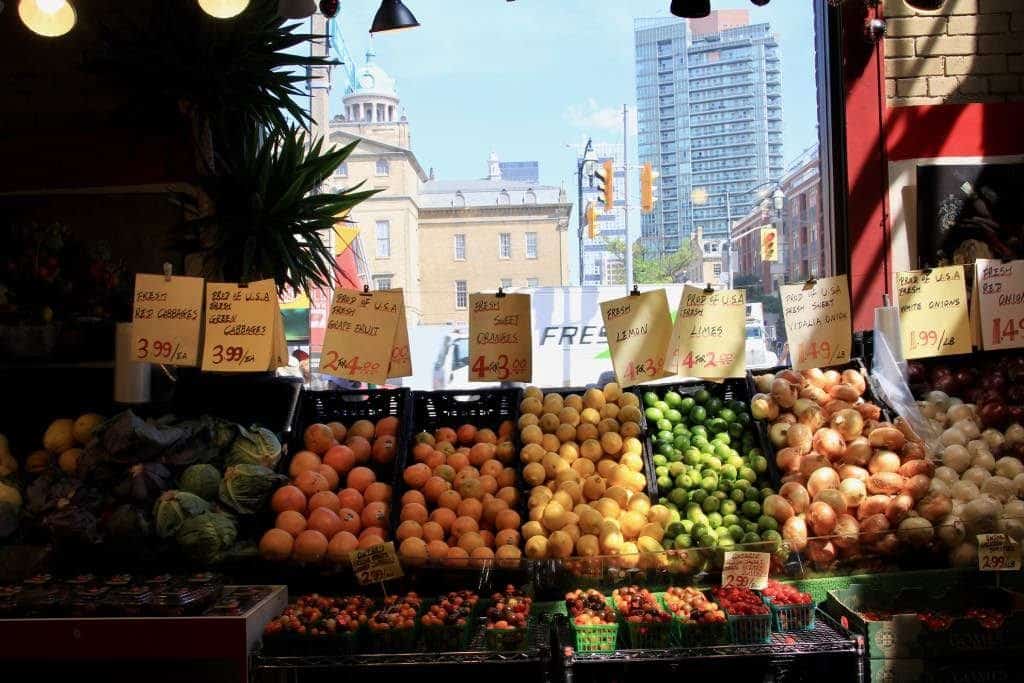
268	219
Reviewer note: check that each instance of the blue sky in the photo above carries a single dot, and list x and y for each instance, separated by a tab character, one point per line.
527	78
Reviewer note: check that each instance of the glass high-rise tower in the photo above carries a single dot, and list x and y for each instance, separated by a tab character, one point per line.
709	106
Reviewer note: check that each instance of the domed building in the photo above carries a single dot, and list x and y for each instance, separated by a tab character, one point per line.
373	98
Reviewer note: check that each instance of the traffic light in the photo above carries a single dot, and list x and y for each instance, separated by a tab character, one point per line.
592	227
647	188
769	244
605	175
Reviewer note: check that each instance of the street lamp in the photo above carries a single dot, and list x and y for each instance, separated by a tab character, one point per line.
586	166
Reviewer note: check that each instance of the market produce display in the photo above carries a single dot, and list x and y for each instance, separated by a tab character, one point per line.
712	474
508	609
979	486
333	503
851	481
991	382
584	459
589	608
398	613
454	609
11	499
739	601
690	605
785	594
462	500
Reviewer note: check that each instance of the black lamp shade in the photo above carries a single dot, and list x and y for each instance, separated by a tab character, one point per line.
760	3
925	4
393	16
691	9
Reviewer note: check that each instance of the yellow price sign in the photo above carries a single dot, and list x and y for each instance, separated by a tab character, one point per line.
639	329
240	326
817	316
167	316
709	336
360	338
500	338
934	319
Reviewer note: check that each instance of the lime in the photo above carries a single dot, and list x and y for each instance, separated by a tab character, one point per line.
700	528
664	483
741	484
707	541
679	497
714	520
675	456
692	456
750	537
725	542
681	430
698	496
710	504
697	415
736	429
675	468
766	523
751	509
650	398
722	438
673	416
709	484
720	494
661	470
728	507
687	526
758	463
727	415
751	494
767	491
748	474
743	419
722	450
699	430
682	481
749	525
665	427
673	529
701	396
682	442
773	538
673	398
716	425
736	531
713	405
713	463
683	541
653	414
735	460
673	512
686	404
662	406
737	495
664	450
659	460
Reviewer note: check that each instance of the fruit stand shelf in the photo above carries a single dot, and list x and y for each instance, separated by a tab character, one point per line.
537	652
826	638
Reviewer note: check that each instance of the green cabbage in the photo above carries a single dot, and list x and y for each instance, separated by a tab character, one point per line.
207	537
246	488
255	446
202	480
173	508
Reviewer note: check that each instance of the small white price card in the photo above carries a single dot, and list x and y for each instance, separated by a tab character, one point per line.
746	569
817	315
240	326
500	338
933	312
375	564
639	329
1000	287
167	315
998	553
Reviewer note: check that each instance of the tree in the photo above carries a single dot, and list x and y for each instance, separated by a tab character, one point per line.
658	270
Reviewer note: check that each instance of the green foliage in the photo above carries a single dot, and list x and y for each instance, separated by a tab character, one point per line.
268	220
649	271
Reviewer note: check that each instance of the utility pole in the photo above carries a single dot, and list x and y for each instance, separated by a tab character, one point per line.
625	198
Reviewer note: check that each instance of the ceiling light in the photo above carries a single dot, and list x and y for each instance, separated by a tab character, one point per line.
925	4
691	9
296	9
393	16
50	18
760	3
223	9
329	8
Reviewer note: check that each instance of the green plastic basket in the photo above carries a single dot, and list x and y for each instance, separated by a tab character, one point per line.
454	637
507	640
791	617
750	629
649	636
599	638
690	634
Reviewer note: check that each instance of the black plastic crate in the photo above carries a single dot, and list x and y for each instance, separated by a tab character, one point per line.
246	398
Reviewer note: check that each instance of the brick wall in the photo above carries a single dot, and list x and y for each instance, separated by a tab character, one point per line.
967	51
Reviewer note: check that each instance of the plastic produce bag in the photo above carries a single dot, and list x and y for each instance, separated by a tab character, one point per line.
889	381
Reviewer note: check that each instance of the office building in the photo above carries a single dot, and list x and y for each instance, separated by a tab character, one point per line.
520	171
709	103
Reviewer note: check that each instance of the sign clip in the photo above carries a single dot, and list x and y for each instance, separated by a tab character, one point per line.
168	271
635	292
500	294
708	289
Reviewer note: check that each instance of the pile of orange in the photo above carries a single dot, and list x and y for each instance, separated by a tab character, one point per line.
462	498
334	503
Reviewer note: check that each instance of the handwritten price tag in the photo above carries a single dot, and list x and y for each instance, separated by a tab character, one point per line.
709	336
240	326
746	569
166	318
401	358
1000	287
933	312
500	338
639	329
375	564
998	553
817	316
360	337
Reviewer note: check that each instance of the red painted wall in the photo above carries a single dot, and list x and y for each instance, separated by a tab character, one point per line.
878	134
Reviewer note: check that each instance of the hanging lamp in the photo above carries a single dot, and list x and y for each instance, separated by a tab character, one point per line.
50	18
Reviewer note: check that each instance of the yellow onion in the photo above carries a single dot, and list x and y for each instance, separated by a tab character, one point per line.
821	479
813	417
816	394
778	434
856	380
833	407
848	422
911	468
887	437
853	491
844	392
873	527
784	393
815	377
917	485
812	462
763	382
913	451
869	411
830	379
846	532
828	442
883	461
898	508
885	483
794	531
857	452
789	459
935	507
797	496
792	376
873	505
822	518
778	508
854	472
833	498
799	436
762	407
821	552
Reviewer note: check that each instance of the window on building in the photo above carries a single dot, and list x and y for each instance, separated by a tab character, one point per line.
460	247
383	167
506	283
342	170
383	239
530	197
461	295
382	282
531	245
717	269
460	200
504	199
505	245
532	282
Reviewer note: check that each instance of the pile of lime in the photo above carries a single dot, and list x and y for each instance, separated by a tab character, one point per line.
711	473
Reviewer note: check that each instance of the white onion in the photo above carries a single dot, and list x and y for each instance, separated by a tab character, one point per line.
938	398
929	410
969	428
1014	509
947	474
975	446
853	491
1000	488
1012	527
1009	467
1018	481
994	438
953	436
981	515
985	461
964	491
917	531
950	530
975	475
960	412
1014	435
957	457
938	486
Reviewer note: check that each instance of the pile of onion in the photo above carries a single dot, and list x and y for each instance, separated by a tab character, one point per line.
851	482
979	472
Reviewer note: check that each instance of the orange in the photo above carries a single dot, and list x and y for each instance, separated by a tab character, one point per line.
486	436
291	521
324	499
505	452
432	531
310	546
340	546
434	487
318	438
351	499
330	475
507	537
369	540
468	472
508	494
458	461
482	555
415	512
457	557
363	428
505	429
340	458
360	478
464	525
360	448
470	541
487	537
424	437
437	550
375	514
435	459
466	434
383	450
288	498
446	472
408	529
491	467
491	510
387	426
489	484
445	434
446	447
444	518
374	531
377	492
550	443
350	521
338	430
413	496
416	475
303	460
470	507
449	499
421	450
480	453
507	519
325	521
310	482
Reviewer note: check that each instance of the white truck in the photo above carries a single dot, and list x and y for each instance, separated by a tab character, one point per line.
570	347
